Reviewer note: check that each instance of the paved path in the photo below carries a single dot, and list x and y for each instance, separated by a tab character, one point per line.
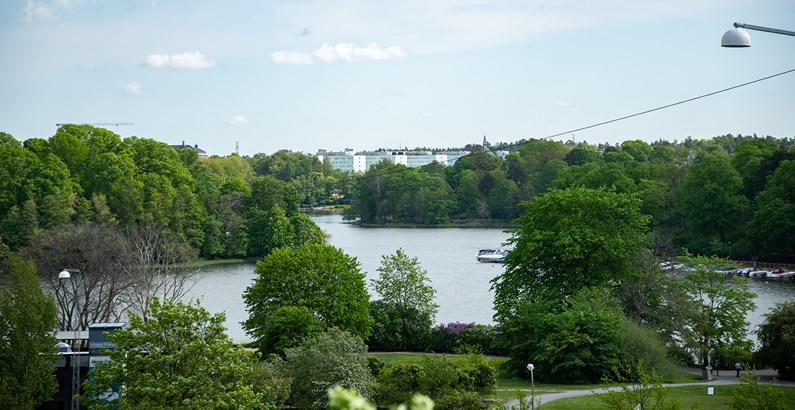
727	377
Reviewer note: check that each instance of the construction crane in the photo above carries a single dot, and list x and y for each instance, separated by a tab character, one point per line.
96	124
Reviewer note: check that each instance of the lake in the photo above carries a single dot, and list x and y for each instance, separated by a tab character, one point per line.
448	254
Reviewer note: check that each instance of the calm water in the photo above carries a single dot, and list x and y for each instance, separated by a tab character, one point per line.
448	254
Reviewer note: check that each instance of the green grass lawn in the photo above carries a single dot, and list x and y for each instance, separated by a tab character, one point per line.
690	397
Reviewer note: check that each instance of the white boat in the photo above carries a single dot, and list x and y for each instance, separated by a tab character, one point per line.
492	255
781	274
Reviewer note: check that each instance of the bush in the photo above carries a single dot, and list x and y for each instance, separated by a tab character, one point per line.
398	328
397	383
438	378
460	401
446	338
334	357
641	343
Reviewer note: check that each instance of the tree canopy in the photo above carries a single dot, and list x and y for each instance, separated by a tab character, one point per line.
180	358
570	239
320	278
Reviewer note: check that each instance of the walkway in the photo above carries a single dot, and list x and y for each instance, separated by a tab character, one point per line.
725	377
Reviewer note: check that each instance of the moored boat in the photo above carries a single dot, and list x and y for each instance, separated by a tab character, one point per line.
492	255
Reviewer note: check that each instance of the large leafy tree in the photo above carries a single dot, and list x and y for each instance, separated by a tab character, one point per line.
179	358
570	239
721	304
777	339
27	339
406	311
321	278
402	281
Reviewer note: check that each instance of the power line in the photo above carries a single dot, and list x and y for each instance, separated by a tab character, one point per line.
401	169
670	105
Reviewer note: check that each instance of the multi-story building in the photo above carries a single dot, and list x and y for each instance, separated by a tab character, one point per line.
349	161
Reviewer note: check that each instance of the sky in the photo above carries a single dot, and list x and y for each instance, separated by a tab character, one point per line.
309	74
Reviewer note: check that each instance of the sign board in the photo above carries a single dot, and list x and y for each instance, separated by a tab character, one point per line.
710	390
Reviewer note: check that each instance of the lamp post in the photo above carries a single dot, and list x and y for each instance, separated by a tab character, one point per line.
64	275
533	387
737	37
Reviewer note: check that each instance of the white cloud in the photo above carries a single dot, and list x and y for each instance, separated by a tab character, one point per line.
133	88
37	10
291	57
238	121
563	104
348	52
193	61
427	114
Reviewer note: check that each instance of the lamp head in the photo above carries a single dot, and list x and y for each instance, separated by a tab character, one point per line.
530	367
735	37
64	274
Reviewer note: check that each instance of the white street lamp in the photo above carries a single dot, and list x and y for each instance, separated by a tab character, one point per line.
533	386
737	37
66	275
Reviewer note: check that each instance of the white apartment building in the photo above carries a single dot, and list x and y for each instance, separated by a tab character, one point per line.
349	161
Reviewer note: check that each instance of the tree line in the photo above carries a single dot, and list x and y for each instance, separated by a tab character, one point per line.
730	196
219	207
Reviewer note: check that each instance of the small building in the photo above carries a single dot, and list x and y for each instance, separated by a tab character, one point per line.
193	147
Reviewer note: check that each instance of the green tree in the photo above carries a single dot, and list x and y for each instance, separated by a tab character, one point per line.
27	339
722	304
573	341
179	358
777	340
773	227
398	328
712	203
331	358
321	278
402	281
568	240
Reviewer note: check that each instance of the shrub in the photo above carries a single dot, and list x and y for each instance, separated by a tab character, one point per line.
398	328
445	338
641	343
334	357
460	401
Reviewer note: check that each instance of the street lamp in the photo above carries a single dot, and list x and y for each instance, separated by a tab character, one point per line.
64	275
533	386
737	37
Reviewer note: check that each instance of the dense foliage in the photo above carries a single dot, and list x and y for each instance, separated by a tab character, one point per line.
331	358
179	358
730	195
27	339
324	283
777	339
220	206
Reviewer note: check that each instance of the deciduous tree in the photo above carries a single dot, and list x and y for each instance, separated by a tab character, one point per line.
321	278
27	339
179	358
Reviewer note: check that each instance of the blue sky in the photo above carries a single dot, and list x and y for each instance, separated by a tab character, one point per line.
303	75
